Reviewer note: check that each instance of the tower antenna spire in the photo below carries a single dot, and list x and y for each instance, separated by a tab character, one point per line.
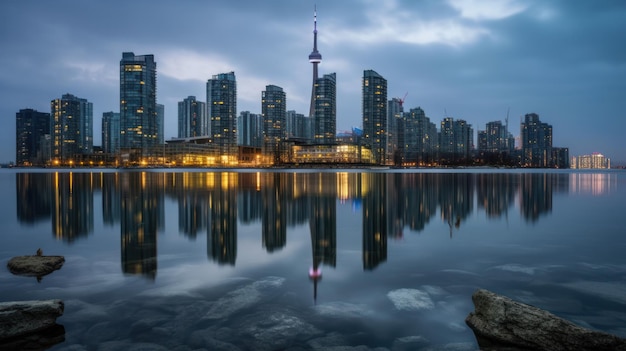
315	18
315	58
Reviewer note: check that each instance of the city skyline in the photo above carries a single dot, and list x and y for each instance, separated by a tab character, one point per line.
460	59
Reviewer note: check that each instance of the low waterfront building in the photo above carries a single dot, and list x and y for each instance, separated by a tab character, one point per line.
331	154
593	161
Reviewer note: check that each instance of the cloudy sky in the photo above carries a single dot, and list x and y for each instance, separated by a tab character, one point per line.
476	60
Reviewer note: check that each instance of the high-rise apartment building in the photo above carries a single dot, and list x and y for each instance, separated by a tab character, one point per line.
536	142
560	157
221	96
325	112
274	112
160	124
456	139
496	138
395	136
375	115
299	126
71	128
139	125
250	129
110	132
464	137
30	127
420	137
192	120
446	137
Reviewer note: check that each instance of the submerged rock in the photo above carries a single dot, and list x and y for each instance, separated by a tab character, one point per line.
41	340
242	298
21	318
275	330
411	300
500	321
343	310
35	265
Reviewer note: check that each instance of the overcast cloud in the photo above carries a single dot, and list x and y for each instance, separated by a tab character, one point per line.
468	59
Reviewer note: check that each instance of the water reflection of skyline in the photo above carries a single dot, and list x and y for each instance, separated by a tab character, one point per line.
218	202
595	183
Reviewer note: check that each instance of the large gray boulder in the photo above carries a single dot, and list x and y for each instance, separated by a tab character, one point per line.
21	318
498	321
35	265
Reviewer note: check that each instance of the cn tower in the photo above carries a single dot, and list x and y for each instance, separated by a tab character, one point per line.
315	58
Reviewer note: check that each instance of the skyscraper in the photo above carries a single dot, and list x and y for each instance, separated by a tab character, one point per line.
274	112
315	58
138	108
375	114
110	132
71	127
536	142
456	140
419	137
496	138
299	126
325	112
192	120
30	127
221	97
464	138
160	124
250	129
395	114
446	138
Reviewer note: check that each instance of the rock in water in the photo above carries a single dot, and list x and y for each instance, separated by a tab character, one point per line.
498	321
20	318
35	266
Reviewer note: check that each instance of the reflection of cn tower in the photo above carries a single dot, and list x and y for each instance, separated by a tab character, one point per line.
323	225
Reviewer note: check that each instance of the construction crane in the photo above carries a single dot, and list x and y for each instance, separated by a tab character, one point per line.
402	100
507	119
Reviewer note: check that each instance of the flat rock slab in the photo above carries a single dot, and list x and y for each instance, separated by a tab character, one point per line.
35	266
19	318
501	322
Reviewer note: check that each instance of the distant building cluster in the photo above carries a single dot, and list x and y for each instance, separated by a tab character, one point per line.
593	161
213	133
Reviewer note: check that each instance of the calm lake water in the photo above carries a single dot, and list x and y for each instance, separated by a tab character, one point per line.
192	260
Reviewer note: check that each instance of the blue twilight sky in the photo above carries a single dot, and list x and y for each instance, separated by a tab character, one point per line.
467	59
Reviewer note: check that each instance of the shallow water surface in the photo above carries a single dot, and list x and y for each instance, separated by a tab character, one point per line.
385	260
